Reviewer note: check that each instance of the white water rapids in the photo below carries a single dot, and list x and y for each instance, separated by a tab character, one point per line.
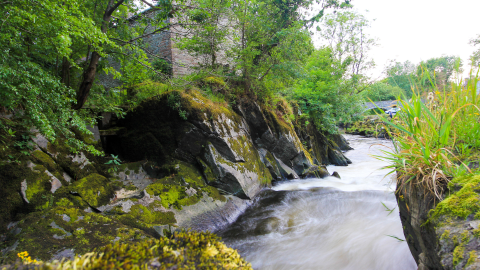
328	223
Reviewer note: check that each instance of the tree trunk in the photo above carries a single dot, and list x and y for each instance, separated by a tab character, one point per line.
66	72
91	70
87	82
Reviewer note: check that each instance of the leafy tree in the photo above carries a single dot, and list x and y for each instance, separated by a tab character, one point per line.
263	30
49	49
402	75
345	33
382	91
324	94
440	70
207	31
475	57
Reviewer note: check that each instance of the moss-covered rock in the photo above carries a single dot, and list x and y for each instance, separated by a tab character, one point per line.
94	189
443	234
183	250
47	233
370	126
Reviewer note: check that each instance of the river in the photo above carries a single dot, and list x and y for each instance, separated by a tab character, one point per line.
330	223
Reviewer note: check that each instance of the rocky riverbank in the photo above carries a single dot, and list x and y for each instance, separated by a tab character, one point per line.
187	163
443	234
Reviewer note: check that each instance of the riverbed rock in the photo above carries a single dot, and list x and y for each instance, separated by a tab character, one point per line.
370	126
443	234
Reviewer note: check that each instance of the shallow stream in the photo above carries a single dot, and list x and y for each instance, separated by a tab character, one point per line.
328	223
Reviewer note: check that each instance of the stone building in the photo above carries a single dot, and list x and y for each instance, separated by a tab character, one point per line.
161	45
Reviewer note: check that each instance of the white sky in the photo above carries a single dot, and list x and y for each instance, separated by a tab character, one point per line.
417	30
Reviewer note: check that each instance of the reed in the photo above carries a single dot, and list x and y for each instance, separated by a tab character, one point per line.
434	137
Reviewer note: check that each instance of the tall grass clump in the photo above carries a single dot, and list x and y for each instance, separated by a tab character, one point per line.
435	136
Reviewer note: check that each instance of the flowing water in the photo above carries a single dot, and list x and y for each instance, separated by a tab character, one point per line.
328	223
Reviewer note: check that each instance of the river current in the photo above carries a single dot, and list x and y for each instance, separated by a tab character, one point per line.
330	223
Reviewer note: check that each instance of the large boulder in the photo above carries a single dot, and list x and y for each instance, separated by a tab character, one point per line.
207	135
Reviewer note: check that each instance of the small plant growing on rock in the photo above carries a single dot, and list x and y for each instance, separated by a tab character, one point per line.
115	162
26	259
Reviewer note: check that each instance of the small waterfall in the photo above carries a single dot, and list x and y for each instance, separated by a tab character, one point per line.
330	223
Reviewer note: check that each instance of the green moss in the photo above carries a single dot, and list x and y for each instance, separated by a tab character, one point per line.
45	233
94	189
183	250
445	235
465	236
45	160
189	173
145	218
171	195
463	200
472	257
38	185
64	202
214	193
458	254
476	232
207	171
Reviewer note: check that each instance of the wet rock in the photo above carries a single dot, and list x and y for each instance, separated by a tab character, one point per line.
233	178
287	172
272	165
335	174
316	172
337	157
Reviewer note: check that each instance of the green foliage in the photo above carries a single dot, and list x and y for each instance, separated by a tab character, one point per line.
324	94
381	91
428	136
345	32
402	75
439	71
115	162
163	66
45	102
174	102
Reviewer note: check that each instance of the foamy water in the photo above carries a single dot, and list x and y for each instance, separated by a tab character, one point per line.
327	223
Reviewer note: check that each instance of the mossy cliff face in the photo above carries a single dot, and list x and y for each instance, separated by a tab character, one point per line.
288	149
37	177
325	148
443	234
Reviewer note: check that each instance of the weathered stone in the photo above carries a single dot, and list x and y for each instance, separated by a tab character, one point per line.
315	172
337	157
287	172
269	160
301	164
233	178
335	174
